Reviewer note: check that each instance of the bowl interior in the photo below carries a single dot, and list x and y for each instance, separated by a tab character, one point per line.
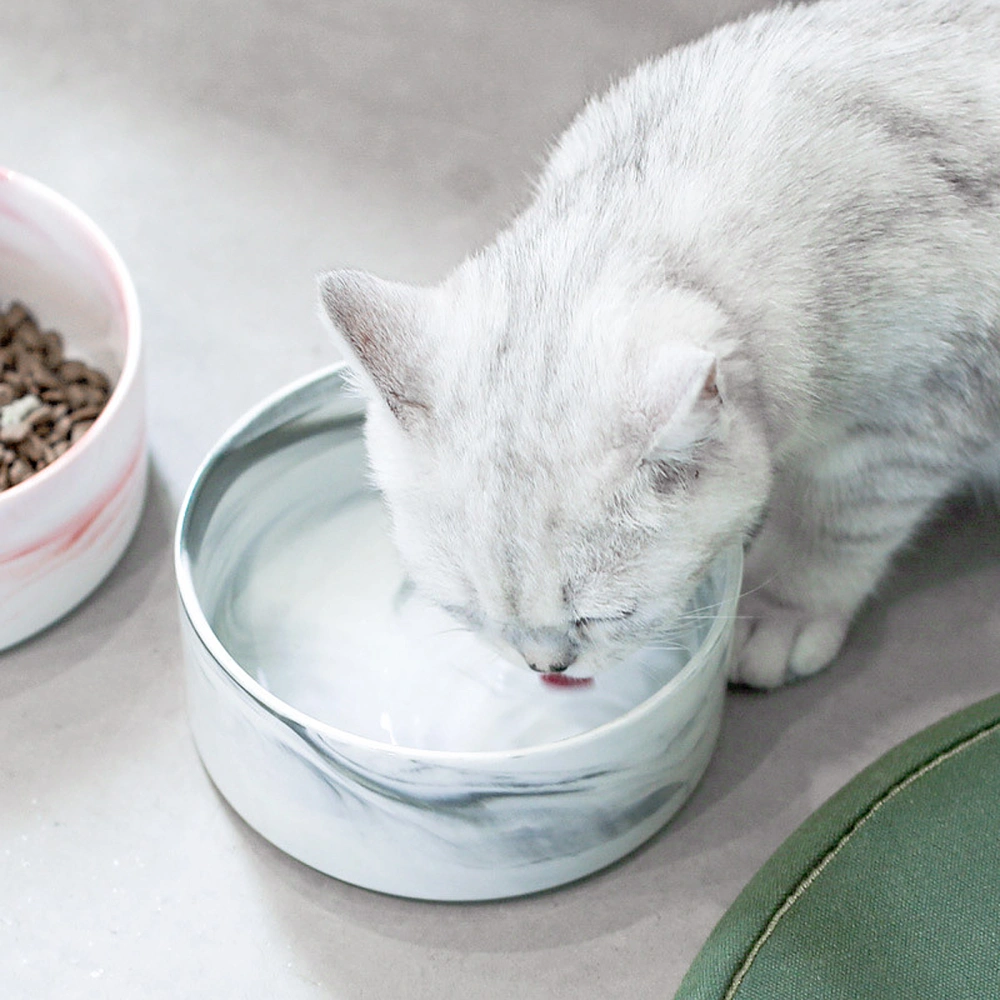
54	260
293	570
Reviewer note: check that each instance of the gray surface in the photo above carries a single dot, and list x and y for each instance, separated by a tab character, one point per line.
231	149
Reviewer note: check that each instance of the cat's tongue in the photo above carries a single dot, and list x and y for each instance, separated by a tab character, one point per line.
563	681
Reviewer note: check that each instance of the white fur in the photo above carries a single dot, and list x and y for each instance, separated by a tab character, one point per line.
762	274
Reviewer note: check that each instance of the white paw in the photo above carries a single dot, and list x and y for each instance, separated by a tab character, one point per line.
776	643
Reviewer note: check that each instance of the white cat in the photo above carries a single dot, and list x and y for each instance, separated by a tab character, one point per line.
756	295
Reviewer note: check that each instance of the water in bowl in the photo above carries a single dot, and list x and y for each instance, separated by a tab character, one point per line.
310	599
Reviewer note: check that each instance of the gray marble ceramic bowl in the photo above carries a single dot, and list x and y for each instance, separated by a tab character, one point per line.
355	801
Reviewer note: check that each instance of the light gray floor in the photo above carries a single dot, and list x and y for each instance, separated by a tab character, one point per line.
231	148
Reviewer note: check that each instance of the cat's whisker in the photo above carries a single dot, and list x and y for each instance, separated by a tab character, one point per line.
452	631
750	591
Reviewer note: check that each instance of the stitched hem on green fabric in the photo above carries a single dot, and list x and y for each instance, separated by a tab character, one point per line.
803	886
735	936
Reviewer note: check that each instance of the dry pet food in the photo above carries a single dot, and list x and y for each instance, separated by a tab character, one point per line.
47	403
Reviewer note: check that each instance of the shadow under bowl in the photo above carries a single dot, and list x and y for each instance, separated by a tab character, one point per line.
439	824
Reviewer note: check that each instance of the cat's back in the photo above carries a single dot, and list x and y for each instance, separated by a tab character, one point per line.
829	173
783	84
907	66
804	136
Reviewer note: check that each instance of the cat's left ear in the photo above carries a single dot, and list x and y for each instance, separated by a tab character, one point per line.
381	326
686	403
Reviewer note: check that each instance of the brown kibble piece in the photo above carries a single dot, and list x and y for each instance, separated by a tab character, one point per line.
61	428
73	371
14	433
76	396
24	360
29	337
98	381
6	394
43	378
16	315
32	448
78	430
85	413
19	471
53	348
96	396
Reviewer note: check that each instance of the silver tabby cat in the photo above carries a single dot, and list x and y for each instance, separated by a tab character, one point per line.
756	296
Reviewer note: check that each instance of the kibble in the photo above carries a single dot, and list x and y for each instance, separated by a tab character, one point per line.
47	402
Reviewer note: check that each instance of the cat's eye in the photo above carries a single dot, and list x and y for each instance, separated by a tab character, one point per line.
465	615
666	476
620	616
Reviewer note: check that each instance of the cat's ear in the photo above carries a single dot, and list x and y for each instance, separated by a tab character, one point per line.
381	327
685	403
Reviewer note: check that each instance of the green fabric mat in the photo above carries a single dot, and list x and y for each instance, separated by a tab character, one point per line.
889	890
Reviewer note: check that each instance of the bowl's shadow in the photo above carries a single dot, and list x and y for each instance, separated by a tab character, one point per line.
83	631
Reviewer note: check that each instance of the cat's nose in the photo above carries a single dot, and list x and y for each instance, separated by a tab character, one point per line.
546	651
551	668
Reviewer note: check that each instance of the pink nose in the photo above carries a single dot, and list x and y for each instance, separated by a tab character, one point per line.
545	650
549	668
548	661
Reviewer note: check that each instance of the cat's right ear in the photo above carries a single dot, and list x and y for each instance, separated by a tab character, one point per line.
686	404
379	325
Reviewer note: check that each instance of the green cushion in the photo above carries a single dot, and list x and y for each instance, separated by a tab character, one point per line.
889	890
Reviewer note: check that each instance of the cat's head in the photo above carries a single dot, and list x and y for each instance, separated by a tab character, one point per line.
559	474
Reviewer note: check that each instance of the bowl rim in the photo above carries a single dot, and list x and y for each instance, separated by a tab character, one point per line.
129	303
288	714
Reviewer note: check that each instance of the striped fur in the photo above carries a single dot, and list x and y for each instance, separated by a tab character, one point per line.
757	293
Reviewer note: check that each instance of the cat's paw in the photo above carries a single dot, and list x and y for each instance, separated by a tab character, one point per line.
776	643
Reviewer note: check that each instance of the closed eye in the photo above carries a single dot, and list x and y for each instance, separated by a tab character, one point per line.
467	616
588	620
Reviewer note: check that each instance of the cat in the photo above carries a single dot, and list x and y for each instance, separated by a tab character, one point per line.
755	297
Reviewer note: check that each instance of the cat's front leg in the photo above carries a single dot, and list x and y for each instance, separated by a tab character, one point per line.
821	551
778	639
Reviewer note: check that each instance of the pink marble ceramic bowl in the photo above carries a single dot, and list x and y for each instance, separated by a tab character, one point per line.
64	528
